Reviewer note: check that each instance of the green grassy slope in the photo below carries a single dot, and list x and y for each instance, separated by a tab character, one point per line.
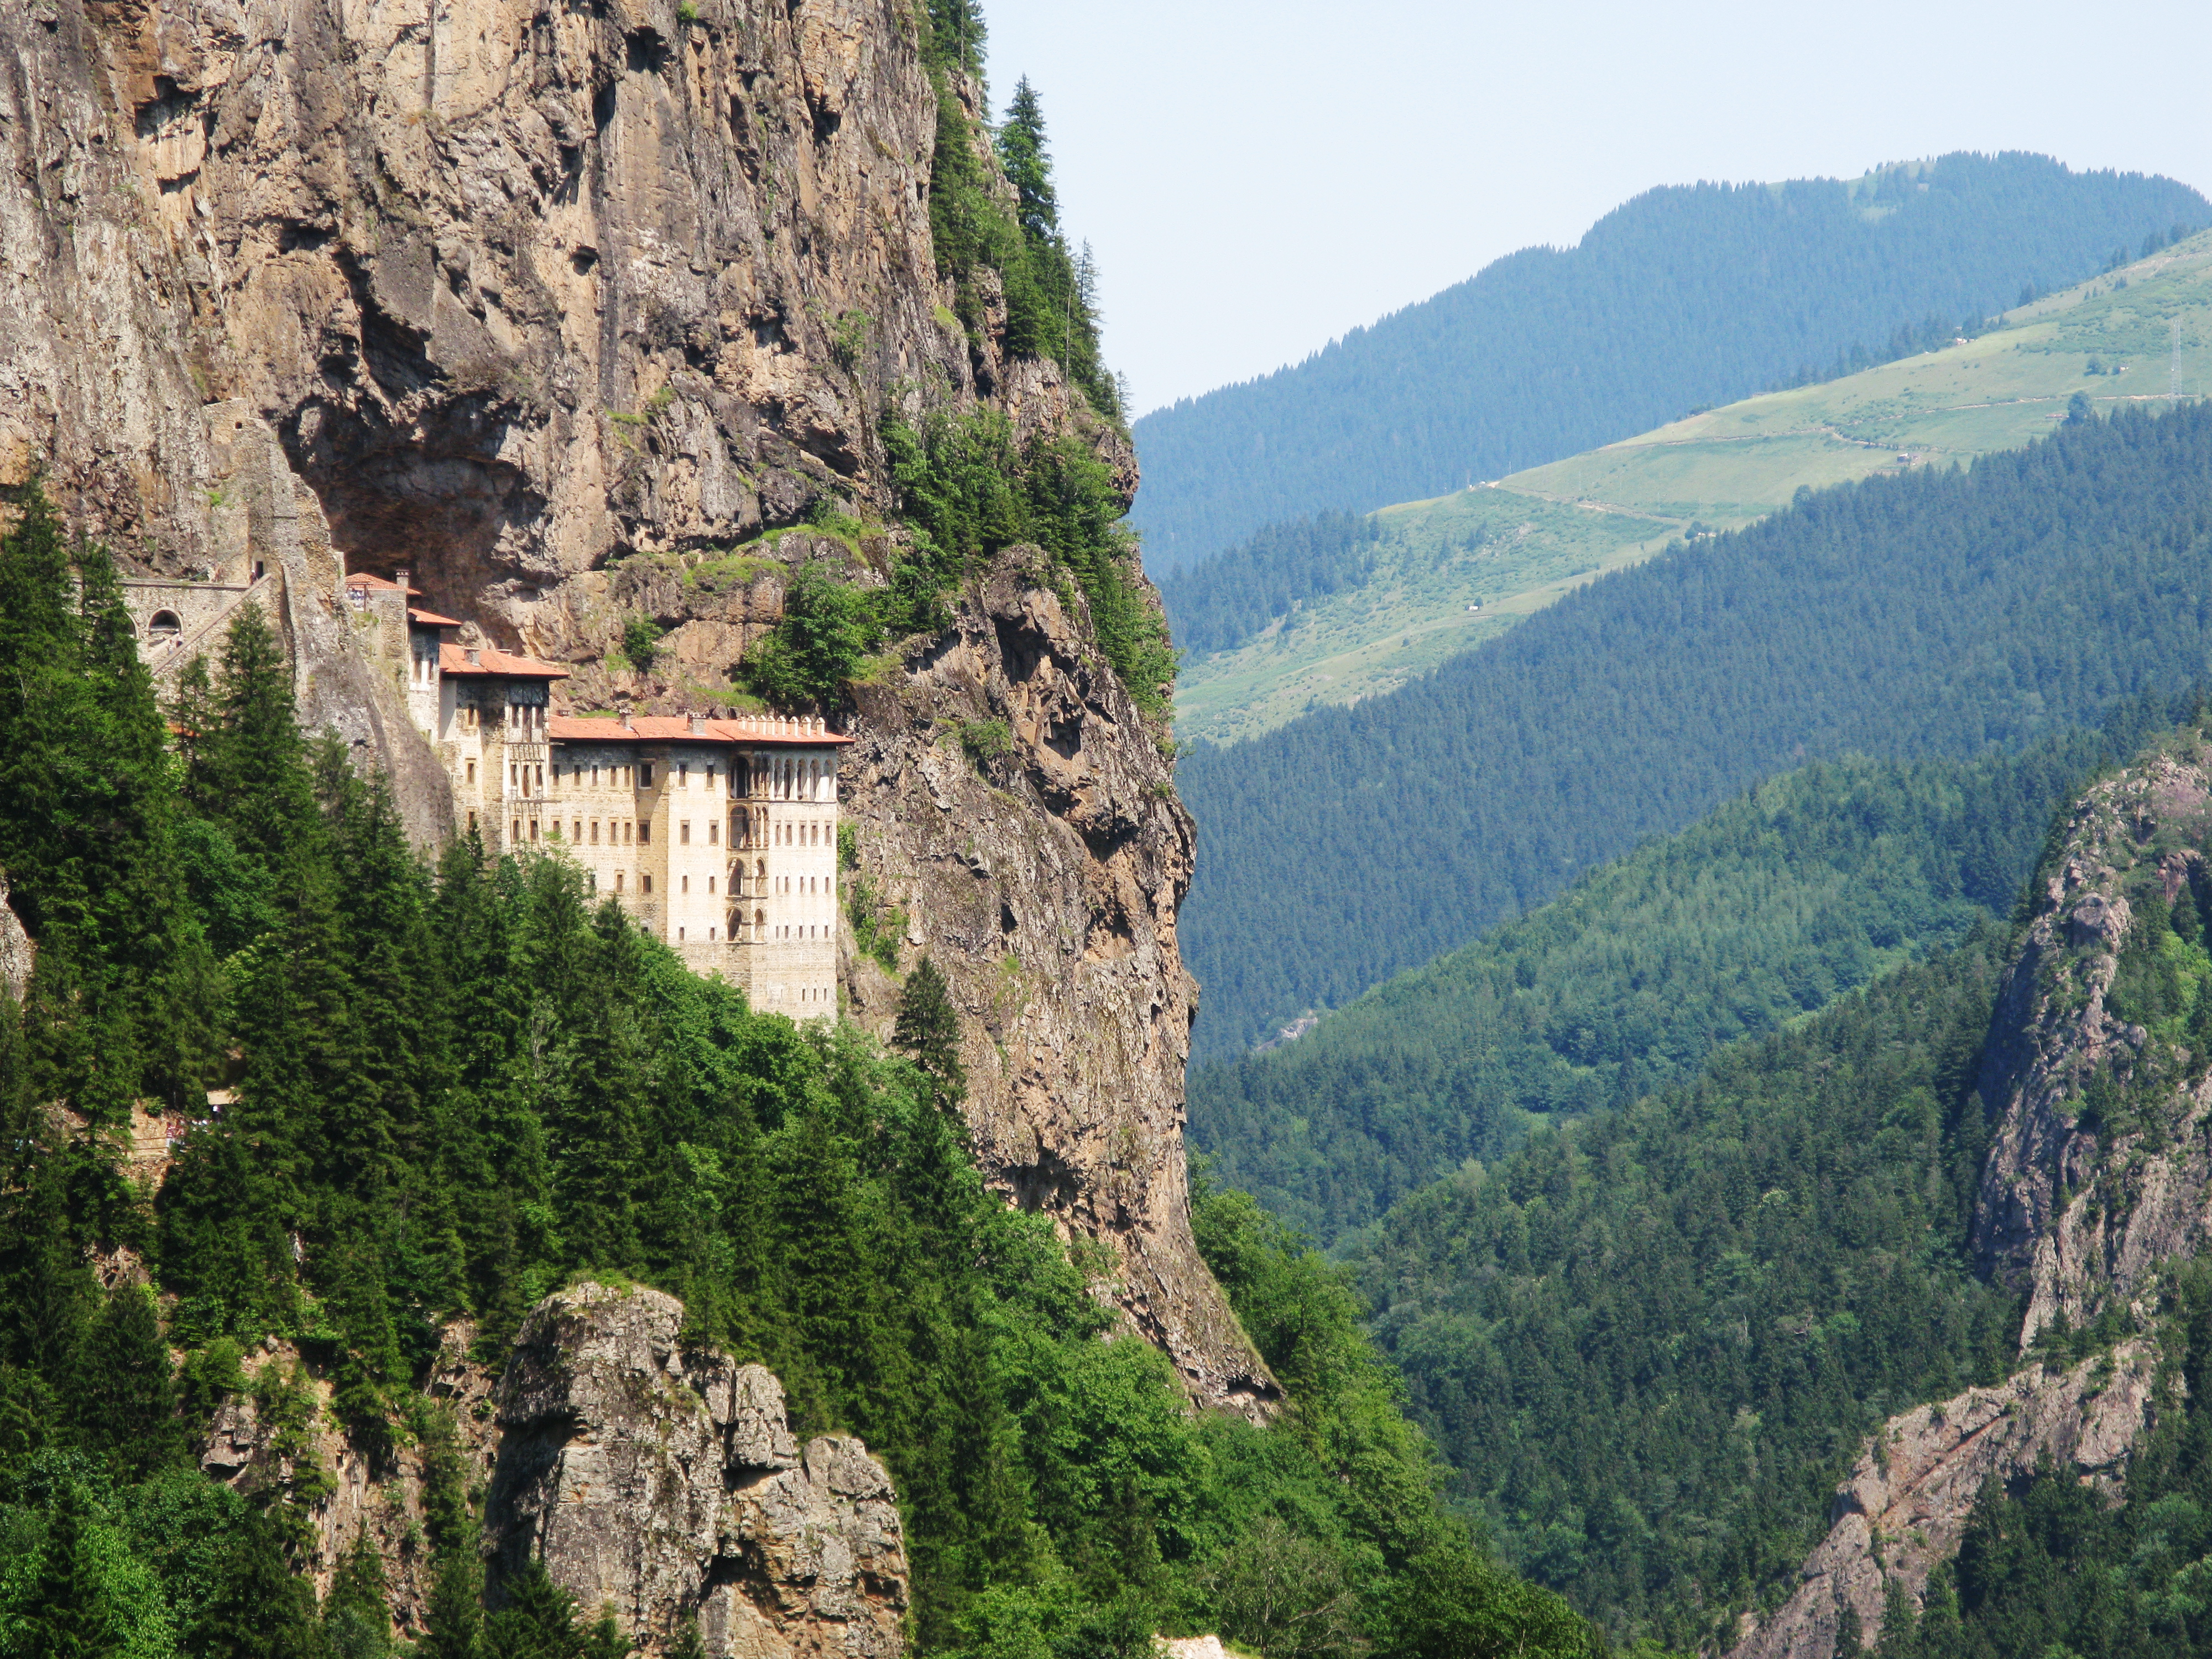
1517	544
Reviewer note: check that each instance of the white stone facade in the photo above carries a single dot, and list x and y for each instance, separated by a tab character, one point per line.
718	836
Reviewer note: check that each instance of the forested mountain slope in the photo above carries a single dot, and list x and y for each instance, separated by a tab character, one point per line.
279	1096
1335	610
1934	613
1688	296
1778	902
1650	1341
1942	1238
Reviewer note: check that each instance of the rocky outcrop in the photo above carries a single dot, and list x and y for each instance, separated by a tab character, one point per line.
664	1485
658	1482
2097	1178
17	957
1905	1505
1006	792
2078	1208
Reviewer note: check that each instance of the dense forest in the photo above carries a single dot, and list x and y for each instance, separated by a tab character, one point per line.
1684	297
1219	603
1651	1341
1934	613
1781	900
411	1093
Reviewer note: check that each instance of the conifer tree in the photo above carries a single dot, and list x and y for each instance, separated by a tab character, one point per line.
356	1623
538	1620
1029	166
259	1610
928	1028
454	1621
70	1617
122	1388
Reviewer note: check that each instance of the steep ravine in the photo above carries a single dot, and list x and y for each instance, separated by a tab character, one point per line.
2097	1178
554	308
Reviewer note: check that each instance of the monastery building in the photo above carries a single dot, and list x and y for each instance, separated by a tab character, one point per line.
718	836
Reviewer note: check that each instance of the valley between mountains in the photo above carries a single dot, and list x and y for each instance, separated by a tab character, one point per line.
655	1005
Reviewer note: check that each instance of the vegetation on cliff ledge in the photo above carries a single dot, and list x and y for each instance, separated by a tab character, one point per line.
400	1095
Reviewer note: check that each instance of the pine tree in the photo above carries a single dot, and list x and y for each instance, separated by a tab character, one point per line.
1028	166
538	1620
70	1615
123	1389
928	1028
259	1610
454	1621
355	1621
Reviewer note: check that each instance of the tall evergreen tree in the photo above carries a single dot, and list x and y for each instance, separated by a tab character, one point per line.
70	1617
928	1028
122	1386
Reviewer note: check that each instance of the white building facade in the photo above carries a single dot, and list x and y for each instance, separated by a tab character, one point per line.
719	837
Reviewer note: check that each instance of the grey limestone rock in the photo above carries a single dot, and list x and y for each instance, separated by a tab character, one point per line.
2078	1215
664	1484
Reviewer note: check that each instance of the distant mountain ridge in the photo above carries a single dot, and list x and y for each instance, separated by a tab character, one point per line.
1339	609
1930	613
1686	295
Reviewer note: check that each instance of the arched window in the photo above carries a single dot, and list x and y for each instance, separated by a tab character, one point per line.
167	628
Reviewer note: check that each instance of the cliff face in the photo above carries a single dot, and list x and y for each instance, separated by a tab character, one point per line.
2097	1177
1006	794
518	287
667	1484
2078	1207
656	1482
551	307
1905	1505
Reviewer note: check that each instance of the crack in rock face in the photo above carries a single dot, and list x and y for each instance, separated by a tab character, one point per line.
663	1484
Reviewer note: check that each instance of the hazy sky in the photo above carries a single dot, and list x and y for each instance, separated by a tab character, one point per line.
1256	178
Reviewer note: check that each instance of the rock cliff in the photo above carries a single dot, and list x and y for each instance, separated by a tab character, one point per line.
1905	1505
666	1484
658	1482
2079	1203
554	308
2097	1177
1006	794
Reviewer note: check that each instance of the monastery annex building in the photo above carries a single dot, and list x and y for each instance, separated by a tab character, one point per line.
718	836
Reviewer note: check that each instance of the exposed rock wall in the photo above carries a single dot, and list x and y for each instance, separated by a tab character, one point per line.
666	1484
17	957
2080	1206
518	287
1905	1505
658	1482
2078	1212
1005	792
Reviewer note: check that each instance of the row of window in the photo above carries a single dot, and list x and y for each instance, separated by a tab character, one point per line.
621	832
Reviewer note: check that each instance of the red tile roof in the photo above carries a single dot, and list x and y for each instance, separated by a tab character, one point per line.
429	618
748	729
362	578
454	659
